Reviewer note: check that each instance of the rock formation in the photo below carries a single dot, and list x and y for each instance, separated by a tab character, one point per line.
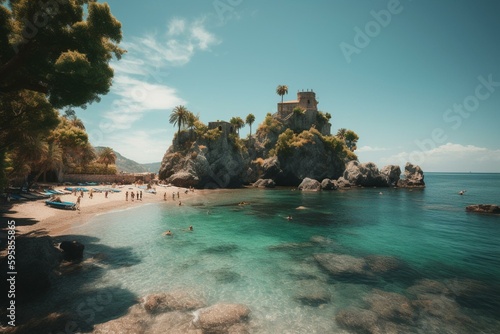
483	208
308	184
72	250
205	163
37	260
218	158
264	183
413	177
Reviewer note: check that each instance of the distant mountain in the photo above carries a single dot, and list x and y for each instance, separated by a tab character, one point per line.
152	167
126	165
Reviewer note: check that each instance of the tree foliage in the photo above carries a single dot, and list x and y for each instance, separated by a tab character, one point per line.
351	139
107	157
61	49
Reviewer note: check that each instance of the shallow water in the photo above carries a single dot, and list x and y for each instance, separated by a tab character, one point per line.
251	254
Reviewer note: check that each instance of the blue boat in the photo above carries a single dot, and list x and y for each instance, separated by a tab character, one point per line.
61	205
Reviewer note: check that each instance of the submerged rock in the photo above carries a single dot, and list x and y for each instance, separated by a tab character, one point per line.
390	305
428	286
219	318
381	264
172	301
483	208
358	319
136	321
439	306
341	265
312	293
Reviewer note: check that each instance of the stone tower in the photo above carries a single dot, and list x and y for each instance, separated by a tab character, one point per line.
307	100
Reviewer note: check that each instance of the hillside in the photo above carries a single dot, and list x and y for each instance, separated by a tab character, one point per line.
126	165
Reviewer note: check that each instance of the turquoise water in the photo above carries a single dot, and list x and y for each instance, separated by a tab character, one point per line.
252	254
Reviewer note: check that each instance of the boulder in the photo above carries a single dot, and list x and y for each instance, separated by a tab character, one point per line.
37	260
271	168
393	173
328	184
172	301
365	175
72	250
483	208
308	184
264	183
413	177
183	179
220	317
343	183
135	321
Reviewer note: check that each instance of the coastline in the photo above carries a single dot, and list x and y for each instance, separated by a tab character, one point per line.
34	217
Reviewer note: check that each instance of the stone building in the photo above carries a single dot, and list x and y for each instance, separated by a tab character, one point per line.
306	100
225	127
311	117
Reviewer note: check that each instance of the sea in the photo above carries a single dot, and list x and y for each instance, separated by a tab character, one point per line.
438	268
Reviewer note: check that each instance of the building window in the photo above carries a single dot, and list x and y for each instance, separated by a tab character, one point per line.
231	130
220	128
308	102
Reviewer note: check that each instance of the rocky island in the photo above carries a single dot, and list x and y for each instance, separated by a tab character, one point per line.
289	146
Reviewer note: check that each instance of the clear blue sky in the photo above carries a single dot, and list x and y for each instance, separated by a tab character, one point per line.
417	80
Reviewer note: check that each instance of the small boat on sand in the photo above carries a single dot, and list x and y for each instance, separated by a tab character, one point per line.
61	205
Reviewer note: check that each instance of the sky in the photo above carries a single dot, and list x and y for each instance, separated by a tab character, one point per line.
417	80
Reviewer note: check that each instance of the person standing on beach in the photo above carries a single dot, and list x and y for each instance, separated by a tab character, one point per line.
173	196
178	196
126	195
141	195
106	194
137	195
78	202
132	195
81	192
165	196
91	194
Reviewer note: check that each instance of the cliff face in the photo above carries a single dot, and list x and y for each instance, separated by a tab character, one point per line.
205	163
218	160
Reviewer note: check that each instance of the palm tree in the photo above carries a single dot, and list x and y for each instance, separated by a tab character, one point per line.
107	156
179	117
282	90
53	160
238	123
249	120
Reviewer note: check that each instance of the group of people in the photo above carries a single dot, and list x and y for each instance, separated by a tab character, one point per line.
169	233
134	195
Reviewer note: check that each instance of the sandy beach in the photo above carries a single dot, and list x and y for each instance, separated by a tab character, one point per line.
34	217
